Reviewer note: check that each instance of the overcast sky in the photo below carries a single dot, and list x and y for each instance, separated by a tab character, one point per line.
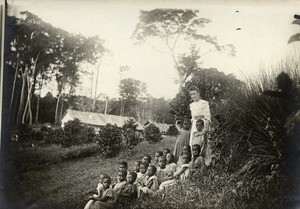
262	40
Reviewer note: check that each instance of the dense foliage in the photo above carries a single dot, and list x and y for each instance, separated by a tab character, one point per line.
172	131
130	134
110	140
214	86
152	134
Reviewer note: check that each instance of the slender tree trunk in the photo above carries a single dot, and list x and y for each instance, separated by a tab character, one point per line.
56	109
22	99
106	104
13	92
60	111
38	103
96	88
29	93
92	84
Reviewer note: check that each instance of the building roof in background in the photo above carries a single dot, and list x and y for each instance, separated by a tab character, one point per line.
98	119
162	126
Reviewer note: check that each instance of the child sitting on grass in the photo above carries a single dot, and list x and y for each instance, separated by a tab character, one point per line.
171	165
107	198
129	191
123	166
151	184
99	191
141	176
181	173
166	151
146	159
185	150
121	181
156	156
197	159
136	166
163	173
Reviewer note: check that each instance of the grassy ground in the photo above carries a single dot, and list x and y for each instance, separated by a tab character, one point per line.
67	184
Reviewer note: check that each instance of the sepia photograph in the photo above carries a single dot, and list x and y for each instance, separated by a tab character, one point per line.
150	104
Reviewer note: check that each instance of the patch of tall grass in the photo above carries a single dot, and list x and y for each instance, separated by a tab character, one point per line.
252	150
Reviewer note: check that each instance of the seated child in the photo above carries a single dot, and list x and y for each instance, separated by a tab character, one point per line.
185	150
200	135
146	159
166	151
163	173
170	162
197	161
151	184
136	166
123	166
107	198
141	176
129	191
156	156
181	173
99	191
121	181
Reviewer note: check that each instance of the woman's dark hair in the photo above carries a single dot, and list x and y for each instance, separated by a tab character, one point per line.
200	121
194	88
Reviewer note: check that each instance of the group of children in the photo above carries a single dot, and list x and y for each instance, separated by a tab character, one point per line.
147	177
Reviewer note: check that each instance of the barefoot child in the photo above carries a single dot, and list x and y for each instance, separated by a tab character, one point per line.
107	198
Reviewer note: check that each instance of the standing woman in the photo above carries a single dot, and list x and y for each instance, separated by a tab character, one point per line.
199	110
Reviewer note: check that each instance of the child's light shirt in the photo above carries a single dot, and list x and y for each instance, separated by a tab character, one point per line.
109	194
141	179
117	188
185	174
151	184
196	162
100	189
171	166
199	137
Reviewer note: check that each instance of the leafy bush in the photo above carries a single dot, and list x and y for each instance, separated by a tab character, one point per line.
76	133
25	133
110	140
172	131
56	136
152	134
130	133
